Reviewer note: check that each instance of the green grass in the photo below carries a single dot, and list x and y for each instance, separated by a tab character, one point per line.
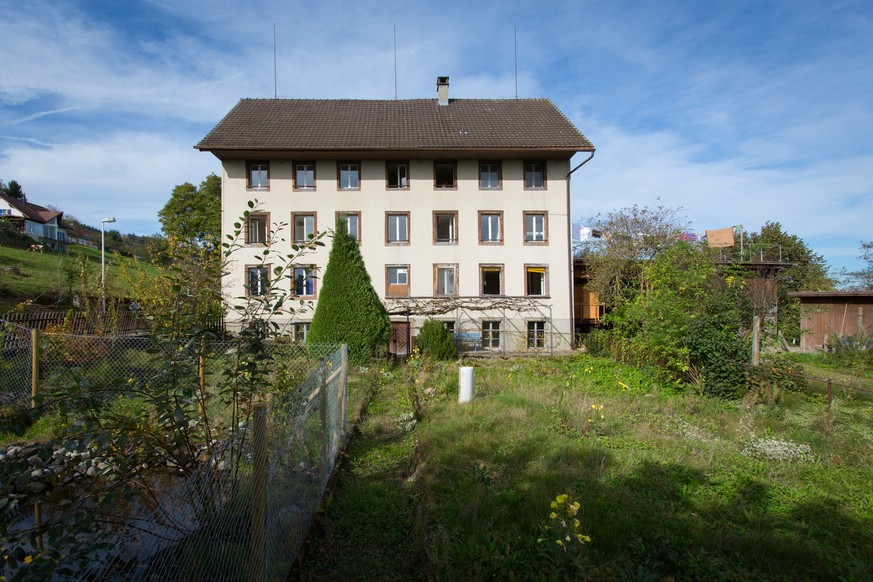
672	485
42	276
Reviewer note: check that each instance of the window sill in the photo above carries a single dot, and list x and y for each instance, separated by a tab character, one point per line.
536	243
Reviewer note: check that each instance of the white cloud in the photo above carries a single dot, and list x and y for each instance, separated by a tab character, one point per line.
128	175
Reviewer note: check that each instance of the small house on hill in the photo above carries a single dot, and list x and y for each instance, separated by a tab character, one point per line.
42	224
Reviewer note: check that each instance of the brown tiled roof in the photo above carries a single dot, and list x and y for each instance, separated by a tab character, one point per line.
405	125
33	212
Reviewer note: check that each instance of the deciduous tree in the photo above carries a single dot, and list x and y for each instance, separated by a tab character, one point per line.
194	213
630	239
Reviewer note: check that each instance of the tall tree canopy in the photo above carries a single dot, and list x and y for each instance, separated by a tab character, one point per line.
809	272
630	238
194	213
12	189
863	278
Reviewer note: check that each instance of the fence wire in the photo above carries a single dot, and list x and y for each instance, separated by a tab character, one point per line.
244	512
15	365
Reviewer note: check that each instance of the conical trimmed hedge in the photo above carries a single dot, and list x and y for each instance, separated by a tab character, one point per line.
348	309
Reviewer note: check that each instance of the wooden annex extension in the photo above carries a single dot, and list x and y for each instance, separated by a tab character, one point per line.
826	314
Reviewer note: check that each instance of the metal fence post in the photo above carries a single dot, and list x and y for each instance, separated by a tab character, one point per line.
201	374
322	405
344	387
259	492
34	366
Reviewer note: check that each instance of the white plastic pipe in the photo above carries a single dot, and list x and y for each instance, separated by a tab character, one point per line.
465	380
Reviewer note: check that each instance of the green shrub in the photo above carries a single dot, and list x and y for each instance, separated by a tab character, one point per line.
435	341
718	353
349	311
852	352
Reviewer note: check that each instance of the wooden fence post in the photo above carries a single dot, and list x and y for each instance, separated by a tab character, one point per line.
830	394
259	492
756	340
34	366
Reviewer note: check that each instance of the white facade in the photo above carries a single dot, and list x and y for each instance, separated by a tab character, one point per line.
445	227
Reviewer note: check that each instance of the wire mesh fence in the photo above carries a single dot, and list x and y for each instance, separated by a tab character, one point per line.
243	510
15	365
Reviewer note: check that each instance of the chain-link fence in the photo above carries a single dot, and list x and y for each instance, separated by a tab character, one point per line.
16	363
241	513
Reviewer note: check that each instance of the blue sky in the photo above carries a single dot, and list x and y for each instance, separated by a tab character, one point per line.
738	112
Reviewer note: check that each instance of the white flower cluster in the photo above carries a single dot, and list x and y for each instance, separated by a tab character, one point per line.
778	449
688	431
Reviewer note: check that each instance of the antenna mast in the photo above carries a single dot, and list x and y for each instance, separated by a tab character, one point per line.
275	77
515	50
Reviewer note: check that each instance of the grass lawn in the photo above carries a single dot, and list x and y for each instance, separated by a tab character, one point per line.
42	277
672	486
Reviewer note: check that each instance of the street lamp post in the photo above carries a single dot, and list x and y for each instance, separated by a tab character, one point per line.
103	259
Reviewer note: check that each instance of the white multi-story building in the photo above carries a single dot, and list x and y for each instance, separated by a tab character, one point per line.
461	207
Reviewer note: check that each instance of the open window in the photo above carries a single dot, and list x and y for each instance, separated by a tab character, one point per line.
304	226
446	280
445	227
397	175
257	228
536	280
445	174
492	279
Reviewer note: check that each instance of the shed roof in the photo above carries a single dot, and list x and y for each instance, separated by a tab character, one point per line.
350	125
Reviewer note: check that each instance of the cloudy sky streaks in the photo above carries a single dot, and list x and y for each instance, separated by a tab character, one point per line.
739	112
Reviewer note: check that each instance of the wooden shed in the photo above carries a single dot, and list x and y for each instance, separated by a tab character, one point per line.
828	314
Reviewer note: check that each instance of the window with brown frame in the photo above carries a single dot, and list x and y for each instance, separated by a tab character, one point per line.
303	283
353	223
491	277
490	227
348	175
445	174
397	228
397	281
536	280
445	227
304	175
304	226
257	280
534	175
397	175
258	175
536	228
257	228
445	280
490	175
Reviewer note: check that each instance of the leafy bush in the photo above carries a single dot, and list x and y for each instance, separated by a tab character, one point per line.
348	310
435	341
718	354
853	352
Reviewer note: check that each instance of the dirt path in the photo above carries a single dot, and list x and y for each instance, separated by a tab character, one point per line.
366	532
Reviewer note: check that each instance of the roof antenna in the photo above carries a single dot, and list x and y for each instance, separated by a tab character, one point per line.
515	50
395	62
275	77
